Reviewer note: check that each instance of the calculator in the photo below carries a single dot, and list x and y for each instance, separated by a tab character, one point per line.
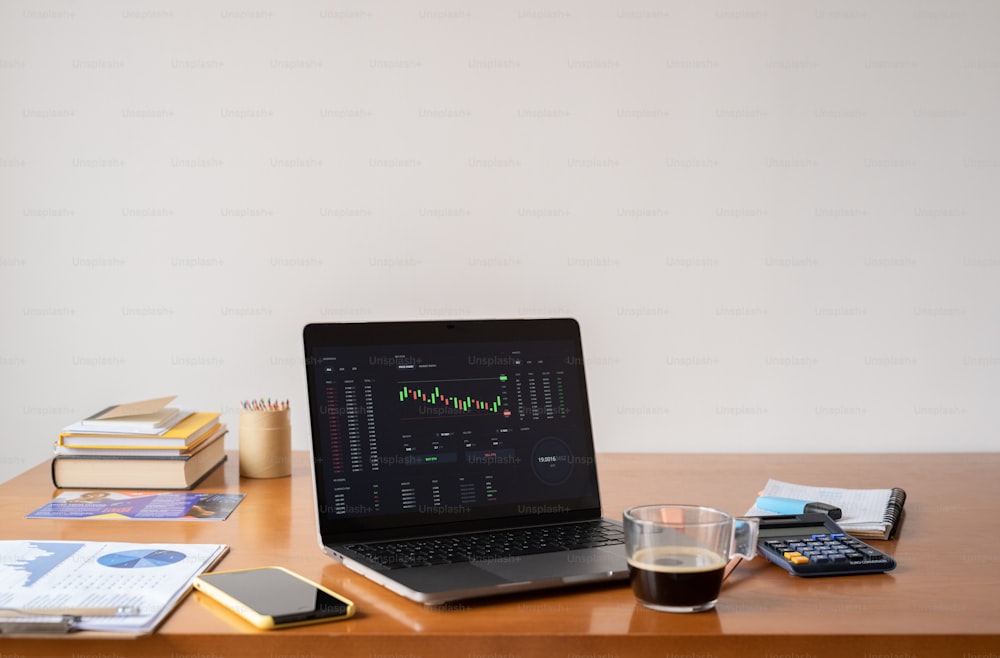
814	545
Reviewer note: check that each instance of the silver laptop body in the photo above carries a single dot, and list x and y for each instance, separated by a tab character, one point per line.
429	438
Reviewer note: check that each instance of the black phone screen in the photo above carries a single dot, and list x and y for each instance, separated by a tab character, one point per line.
278	594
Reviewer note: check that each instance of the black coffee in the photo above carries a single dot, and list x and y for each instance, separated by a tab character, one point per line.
676	576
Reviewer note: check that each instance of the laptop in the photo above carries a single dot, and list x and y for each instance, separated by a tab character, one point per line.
455	460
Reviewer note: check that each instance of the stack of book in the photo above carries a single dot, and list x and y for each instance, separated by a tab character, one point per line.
140	445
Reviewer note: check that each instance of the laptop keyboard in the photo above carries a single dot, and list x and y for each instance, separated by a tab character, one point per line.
493	545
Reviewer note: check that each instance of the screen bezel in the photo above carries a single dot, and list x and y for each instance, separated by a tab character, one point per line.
375	334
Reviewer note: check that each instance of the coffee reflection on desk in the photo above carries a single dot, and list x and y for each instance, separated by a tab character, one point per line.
646	620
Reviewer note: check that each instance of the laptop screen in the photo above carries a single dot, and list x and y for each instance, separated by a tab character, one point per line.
433	424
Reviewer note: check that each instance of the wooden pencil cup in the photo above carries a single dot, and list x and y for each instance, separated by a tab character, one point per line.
265	443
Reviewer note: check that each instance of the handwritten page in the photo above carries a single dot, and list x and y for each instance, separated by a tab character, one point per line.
863	509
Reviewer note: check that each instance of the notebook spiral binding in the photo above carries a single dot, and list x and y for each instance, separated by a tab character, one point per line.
894	510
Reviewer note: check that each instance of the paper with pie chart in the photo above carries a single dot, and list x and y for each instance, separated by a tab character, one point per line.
84	574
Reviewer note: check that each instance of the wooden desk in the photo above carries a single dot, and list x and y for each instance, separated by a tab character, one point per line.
942	600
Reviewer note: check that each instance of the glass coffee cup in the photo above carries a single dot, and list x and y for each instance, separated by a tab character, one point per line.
677	554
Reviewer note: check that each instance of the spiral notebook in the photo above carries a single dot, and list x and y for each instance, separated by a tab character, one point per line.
867	513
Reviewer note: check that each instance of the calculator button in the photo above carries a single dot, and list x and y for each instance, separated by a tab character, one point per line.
799	559
788	555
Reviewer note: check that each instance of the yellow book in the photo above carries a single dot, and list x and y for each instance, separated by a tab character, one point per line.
145	451
182	435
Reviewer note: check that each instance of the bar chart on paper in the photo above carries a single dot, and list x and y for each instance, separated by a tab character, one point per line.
33	561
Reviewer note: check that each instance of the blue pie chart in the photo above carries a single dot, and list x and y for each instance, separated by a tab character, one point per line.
140	559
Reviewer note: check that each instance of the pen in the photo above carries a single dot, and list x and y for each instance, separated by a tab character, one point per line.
793	506
106	611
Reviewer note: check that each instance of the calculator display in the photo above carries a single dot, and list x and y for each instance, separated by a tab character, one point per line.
792	531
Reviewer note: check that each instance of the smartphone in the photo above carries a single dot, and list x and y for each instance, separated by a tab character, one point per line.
274	597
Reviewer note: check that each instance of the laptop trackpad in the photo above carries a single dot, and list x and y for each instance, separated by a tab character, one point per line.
556	566
446	577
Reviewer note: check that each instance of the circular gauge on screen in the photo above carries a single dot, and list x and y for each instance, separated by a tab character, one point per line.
552	460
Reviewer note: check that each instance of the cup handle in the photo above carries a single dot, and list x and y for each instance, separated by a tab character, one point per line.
744	543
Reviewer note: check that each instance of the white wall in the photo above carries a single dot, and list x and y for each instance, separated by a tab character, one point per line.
775	220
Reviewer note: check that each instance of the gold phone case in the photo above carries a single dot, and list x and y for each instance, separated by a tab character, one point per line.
259	620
